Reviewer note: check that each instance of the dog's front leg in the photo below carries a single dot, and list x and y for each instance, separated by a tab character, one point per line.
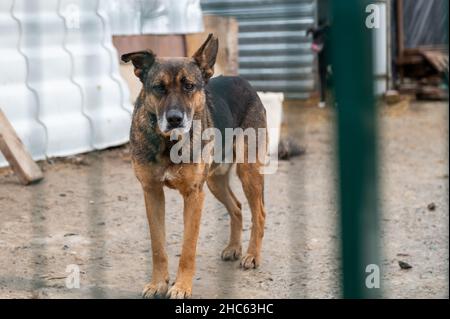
193	204
154	202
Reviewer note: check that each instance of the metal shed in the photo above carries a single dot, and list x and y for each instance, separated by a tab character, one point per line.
274	51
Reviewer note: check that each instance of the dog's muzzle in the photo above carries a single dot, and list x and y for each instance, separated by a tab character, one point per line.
175	120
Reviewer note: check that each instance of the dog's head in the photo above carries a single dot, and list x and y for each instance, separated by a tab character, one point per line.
174	88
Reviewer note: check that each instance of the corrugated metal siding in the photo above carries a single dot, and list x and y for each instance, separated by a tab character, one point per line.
59	80
274	51
425	23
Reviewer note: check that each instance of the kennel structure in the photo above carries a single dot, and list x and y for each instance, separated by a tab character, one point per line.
59	81
274	51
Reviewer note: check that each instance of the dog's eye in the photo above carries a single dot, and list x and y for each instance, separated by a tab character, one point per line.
160	88
188	86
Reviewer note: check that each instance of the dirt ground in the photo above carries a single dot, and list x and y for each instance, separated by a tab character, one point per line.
89	211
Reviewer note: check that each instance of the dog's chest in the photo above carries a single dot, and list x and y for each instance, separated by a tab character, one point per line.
181	176
171	176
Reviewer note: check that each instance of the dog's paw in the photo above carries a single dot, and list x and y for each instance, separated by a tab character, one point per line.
155	290
179	291
231	253
250	261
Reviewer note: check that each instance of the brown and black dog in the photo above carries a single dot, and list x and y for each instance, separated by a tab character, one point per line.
175	92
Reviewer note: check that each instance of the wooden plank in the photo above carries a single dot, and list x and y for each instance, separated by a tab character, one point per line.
437	59
400	30
16	154
226	30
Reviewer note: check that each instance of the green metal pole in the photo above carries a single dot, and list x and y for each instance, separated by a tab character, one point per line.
351	58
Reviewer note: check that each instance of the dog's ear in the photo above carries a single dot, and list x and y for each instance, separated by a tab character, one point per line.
142	61
205	57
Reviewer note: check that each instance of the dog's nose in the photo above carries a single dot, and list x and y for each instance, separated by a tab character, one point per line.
174	117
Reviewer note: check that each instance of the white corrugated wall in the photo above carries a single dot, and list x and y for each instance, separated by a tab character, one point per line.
59	80
132	17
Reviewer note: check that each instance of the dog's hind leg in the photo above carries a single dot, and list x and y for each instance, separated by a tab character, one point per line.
253	185
220	187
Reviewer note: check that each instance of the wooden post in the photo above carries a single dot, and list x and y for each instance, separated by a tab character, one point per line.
15	153
400	38
400	32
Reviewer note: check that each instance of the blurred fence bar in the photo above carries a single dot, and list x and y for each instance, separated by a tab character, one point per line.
351	45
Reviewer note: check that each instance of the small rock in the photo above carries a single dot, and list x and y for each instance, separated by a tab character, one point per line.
77	160
288	148
431	206
65	247
70	234
392	97
62	195
404	265
126	156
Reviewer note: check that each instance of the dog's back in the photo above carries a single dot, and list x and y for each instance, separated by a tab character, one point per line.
233	101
